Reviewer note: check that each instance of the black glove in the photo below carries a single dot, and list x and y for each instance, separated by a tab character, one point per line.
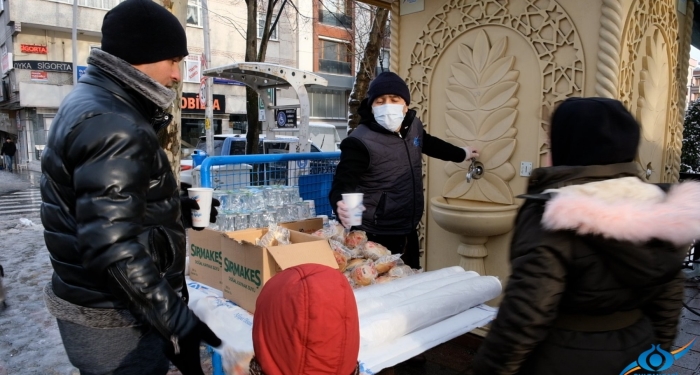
188	360
188	204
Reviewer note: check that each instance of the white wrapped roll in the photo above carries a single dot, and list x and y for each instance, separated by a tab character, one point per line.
372	305
426	309
395	285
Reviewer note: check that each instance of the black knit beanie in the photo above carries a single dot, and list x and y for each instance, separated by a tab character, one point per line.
593	131
388	83
143	32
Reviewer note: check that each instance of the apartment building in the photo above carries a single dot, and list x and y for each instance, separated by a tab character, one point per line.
37	67
334	58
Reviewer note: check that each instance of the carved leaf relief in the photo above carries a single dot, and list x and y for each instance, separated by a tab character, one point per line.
481	109
652	105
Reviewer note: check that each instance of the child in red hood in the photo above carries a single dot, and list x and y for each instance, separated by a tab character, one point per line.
306	323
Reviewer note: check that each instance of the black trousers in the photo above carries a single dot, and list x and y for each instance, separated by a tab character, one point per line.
405	244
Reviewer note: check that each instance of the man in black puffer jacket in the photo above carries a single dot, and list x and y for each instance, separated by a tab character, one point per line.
111	207
596	256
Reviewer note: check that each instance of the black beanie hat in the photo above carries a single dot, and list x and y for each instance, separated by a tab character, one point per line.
143	32
593	131
388	83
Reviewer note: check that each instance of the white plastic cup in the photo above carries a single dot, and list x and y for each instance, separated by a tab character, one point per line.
353	201
200	218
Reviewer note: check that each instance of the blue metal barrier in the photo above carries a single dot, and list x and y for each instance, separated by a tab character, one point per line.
312	172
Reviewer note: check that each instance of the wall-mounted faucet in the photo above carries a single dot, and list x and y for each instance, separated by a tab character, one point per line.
475	171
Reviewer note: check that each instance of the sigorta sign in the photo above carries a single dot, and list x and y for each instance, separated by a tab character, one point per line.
33	48
49	66
191	103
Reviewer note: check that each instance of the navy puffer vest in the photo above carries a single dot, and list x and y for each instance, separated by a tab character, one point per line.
392	185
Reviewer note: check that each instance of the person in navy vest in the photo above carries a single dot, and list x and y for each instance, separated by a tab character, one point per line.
381	158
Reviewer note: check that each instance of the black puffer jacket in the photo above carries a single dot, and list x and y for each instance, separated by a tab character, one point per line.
595	273
111	207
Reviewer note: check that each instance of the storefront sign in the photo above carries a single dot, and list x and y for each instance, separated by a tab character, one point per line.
37	75
6	62
81	70
411	6
33	48
191	104
192	70
226	81
49	66
286	118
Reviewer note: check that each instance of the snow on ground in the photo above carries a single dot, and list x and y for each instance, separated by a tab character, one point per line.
30	343
29	339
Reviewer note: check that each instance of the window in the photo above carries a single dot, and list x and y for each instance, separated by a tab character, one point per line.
194	13
99	4
328	104
335	57
334	13
261	26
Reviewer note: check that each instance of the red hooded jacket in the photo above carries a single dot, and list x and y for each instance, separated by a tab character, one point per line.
306	323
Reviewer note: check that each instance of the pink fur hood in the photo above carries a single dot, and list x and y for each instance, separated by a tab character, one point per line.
627	209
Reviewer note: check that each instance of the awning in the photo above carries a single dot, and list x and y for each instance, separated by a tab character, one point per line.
264	76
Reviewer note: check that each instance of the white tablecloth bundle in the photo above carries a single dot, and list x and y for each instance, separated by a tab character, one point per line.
398	320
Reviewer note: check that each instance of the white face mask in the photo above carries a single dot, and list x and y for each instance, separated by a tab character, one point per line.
390	116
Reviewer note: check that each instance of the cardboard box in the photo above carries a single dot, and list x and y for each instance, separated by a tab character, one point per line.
206	261
304	226
247	267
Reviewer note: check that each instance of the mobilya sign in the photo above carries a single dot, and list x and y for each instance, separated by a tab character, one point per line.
191	103
33	48
656	359
48	66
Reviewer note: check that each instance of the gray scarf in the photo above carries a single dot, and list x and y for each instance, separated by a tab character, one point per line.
137	80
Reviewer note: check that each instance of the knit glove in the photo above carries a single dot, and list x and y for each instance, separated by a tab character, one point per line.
188	204
188	360
471	153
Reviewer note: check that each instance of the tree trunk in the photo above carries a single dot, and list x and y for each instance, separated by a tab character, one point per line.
169	138
266	30
367	67
251	49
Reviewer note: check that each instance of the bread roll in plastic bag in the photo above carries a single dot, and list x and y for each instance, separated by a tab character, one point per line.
401	271
342	255
355	239
365	274
235	362
275	233
385	263
374	251
355	262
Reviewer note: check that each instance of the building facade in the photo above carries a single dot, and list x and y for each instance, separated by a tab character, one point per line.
37	64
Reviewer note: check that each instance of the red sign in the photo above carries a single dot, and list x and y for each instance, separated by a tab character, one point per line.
192	103
37	75
33	48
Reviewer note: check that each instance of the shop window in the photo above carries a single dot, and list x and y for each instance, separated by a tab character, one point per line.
335	57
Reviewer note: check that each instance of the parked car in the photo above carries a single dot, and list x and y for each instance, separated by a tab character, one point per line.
235	144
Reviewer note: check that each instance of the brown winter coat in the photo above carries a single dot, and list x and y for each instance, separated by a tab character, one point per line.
595	272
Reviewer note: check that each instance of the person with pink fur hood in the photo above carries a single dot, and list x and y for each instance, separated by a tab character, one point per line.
596	255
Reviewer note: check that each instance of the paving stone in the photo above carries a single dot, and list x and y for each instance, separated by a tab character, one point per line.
679	371
689	361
